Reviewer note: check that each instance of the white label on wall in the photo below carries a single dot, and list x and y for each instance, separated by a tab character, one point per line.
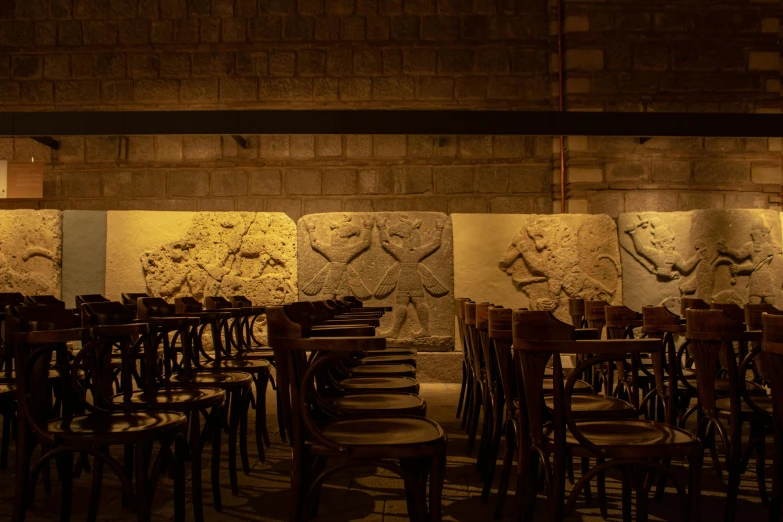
3	179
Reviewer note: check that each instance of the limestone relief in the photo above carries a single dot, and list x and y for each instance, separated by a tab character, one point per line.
230	253
31	251
406	259
554	258
725	256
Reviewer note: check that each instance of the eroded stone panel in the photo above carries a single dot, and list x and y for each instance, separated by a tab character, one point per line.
553	258
172	254
84	254
31	251
395	259
725	256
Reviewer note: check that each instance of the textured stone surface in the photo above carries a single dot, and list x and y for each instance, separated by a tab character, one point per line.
31	251
84	254
727	256
172	254
395	259
552	258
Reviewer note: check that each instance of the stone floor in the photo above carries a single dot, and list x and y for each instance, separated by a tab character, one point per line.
366	494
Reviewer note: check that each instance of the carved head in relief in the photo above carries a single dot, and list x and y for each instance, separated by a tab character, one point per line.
407	231
661	236
759	232
343	231
541	234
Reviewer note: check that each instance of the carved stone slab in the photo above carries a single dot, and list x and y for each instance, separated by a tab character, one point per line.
400	259
726	256
545	259
172	254
84	254
31	251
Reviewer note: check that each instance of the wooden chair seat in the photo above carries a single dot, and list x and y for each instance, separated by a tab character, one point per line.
255	354
381	370
222	380
382	403
583	405
580	387
722	386
54	375
617	436
245	365
7	391
724	405
118	428
382	431
173	399
379	384
387	359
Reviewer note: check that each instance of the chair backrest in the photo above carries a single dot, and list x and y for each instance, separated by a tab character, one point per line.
499	336
482	338
43	300
239	301
694	303
148	307
712	334
90	298
576	309
753	313
132	298
595	317
772	347
103	313
620	322
216	302
10	299
187	305
730	309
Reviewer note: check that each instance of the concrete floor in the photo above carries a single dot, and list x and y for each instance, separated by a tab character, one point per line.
367	494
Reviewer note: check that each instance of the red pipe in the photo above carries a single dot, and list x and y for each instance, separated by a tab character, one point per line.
561	89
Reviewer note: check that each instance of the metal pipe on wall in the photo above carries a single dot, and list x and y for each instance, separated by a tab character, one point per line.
561	92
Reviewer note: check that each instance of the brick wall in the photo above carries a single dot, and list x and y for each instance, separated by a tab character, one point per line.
621	55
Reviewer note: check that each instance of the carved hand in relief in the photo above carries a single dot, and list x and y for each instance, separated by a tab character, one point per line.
630	229
309	225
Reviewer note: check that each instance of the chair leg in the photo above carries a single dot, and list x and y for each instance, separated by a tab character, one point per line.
505	472
462	389
409	473
437	478
6	442
626	495
642	501
758	440
217	420
694	487
475	414
233	427
601	480
588	492
180	448
128	465
95	492
486	432
195	463
468	405
244	404
65	470
261	432
142	494
491	458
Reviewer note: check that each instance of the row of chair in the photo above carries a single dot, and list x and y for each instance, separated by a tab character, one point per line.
654	364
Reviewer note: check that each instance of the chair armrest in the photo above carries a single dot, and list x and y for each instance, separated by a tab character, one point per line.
336	344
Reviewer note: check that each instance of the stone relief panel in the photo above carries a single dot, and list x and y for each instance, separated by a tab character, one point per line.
395	259
553	258
31	251
173	254
725	256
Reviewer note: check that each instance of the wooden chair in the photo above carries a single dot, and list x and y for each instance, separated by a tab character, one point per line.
631	445
419	444
43	300
772	325
480	392
147	390
132	298
576	309
176	335
712	334
90	433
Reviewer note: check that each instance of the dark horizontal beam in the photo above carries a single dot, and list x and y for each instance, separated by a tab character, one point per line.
242	123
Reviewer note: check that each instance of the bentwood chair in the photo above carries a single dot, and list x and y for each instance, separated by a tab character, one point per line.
92	433
147	390
713	334
417	443
773	360
633	446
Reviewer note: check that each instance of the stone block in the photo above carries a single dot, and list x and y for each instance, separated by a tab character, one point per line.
671	171
627	171
395	259
389	146
174	254
467	205
549	259
302	146
216	205
199	90
162	32
764	61
584	59
26	66
766	174
518	204
475	146
700	200
134	32
141	148
338	182
157	91
303	181
454	180
405	27
723	256
229	182
418	61
83	254
317	206
649	200
102	148
76	92
71	149
275	146
238	89
455	61
310	62
168	148
149	184
37	93
355	89
329	145
358	146
188	183
265	28
609	203
720	171
528	178
584	175
298	28
353	28
285	88
746	200
412	180
202	147
393	88
266	182
117	184
292	207
374	181
32	251
492	179
436	88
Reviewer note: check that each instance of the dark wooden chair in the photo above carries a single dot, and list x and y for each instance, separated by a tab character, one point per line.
772	355
90	433
480	393
631	445
147	390
43	300
576	309
419	444
466	371
712	334
176	336
132	298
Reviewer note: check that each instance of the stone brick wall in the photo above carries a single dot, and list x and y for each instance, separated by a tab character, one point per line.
621	55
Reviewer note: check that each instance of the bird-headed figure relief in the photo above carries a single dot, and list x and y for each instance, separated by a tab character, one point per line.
346	240
408	276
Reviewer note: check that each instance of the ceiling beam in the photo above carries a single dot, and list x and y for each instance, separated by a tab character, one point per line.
243	123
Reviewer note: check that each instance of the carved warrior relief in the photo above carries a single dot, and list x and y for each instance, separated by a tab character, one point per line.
554	258
31	251
226	253
397	259
724	256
